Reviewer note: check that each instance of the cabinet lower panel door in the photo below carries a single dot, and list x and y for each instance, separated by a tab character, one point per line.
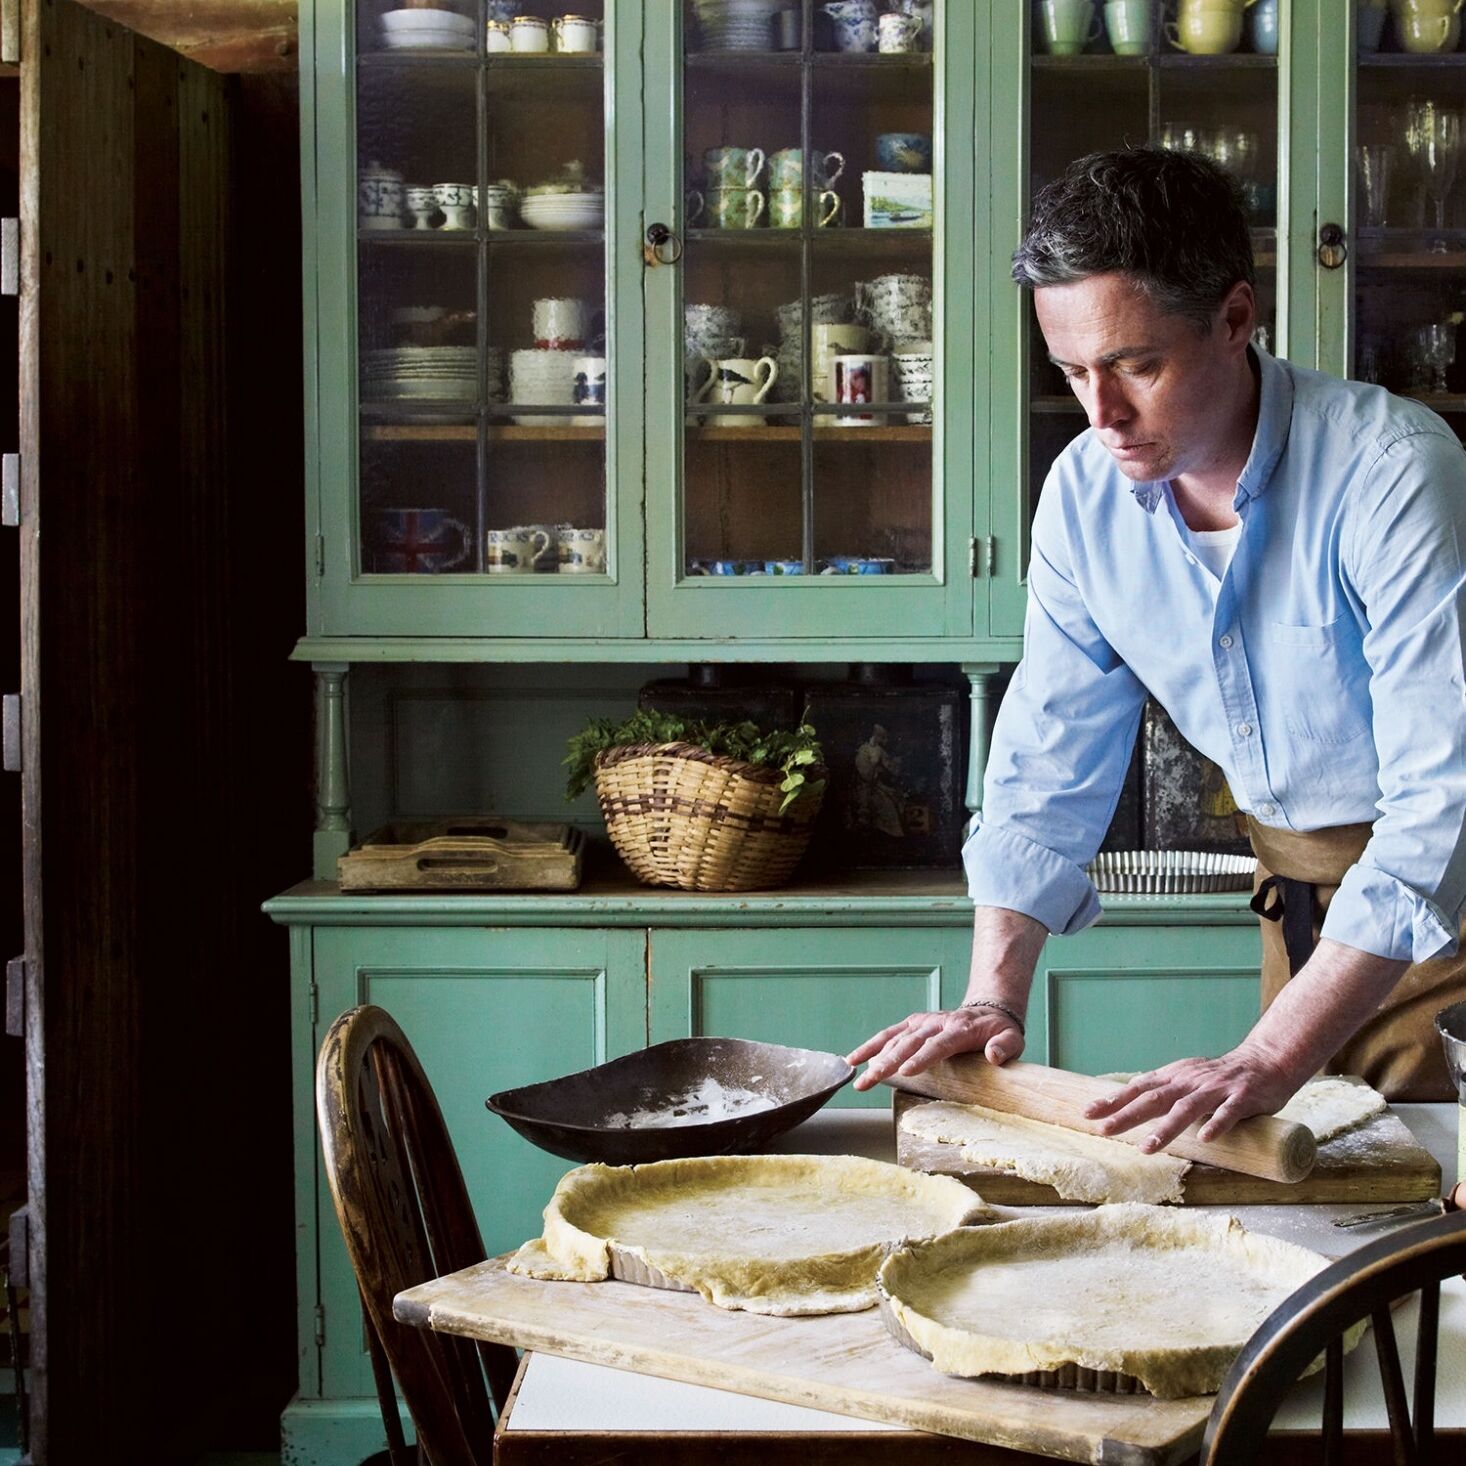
485	1010
813	988
1129	998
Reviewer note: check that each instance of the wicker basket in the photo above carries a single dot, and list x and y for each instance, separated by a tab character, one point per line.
681	816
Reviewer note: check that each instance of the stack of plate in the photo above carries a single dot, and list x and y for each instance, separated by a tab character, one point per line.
736	25
428	30
585	210
421	372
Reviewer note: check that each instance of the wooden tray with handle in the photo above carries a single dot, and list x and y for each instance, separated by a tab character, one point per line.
477	853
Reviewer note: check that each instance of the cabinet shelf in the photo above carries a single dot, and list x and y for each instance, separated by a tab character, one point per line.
833	241
899	433
819	60
407	432
1235	60
462	238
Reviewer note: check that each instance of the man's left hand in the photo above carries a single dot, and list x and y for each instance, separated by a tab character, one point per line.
1242	1083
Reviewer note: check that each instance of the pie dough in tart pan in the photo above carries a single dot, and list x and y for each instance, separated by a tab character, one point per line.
1119	1298
774	1234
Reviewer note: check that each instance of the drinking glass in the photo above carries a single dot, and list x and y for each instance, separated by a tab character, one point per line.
1375	162
1433	141
1430	351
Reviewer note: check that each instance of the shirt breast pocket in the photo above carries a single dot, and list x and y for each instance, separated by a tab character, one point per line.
1326	677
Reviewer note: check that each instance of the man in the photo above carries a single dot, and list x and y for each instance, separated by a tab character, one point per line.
1279	557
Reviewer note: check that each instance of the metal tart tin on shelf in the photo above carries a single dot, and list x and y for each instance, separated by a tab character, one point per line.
1170	872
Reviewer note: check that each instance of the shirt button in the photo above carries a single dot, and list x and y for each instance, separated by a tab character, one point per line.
1267	809
1244	730
1225	642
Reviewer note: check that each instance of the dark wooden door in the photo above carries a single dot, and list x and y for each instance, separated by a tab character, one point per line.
152	1254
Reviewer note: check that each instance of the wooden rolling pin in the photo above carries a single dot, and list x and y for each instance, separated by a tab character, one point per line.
1260	1146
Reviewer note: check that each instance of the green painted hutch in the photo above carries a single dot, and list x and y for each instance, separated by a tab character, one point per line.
482	577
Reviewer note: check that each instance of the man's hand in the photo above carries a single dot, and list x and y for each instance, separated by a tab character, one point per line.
1242	1083
917	1042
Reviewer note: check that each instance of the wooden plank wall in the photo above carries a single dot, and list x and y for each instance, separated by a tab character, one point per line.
165	737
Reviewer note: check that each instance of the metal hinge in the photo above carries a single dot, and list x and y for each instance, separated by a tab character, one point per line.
315	994
991	546
320	1325
10	490
10	713
9	256
15	997
320	557
972	558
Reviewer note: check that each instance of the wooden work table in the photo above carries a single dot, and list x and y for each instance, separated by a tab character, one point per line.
573	1413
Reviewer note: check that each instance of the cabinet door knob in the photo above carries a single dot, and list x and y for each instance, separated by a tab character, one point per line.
662	246
1332	251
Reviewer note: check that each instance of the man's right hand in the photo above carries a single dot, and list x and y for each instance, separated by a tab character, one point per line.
918	1042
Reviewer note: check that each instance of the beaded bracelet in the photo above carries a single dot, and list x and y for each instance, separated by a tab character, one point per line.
1002	1008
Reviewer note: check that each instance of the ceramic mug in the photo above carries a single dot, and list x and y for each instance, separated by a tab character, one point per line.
904	152
457	203
561	323
786	169
522	550
734	208
1130	25
499	205
416	541
854	22
379	197
738	381
573	35
1369	26
861	377
1068	26
700	367
422	204
826	342
897	34
733	167
1262	27
580	551
786	208
588	389
496	37
529	34
1213	30
914	369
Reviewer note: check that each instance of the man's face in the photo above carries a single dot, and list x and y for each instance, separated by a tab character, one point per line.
1148	380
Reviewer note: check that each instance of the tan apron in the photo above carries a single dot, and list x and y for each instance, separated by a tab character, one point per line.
1397	1050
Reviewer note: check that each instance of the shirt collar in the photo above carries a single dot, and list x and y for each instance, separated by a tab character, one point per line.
1274	418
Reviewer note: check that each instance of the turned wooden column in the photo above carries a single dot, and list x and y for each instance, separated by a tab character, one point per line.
333	785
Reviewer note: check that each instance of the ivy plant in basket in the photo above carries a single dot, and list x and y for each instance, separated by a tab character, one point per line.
702	806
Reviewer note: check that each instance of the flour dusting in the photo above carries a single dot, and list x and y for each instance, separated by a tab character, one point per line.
701	1105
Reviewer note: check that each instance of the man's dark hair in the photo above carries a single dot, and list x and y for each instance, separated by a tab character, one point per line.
1173	221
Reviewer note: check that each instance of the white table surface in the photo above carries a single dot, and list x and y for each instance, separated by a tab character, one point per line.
567	1395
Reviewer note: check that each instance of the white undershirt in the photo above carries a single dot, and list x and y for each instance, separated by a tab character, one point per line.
1214	547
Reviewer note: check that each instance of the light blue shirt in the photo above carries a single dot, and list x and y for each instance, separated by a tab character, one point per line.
1325	671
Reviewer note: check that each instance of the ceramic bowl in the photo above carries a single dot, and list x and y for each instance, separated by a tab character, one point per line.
688	1097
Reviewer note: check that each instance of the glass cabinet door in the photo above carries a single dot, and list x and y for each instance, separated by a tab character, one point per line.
472	492
1094	78
810	335
1407	272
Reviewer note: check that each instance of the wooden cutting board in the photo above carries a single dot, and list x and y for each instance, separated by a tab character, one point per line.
473	853
844	1362
1378	1161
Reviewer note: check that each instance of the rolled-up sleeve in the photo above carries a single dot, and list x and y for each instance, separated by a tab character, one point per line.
1405	559
1061	747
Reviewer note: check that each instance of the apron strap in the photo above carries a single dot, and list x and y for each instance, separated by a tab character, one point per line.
1293	903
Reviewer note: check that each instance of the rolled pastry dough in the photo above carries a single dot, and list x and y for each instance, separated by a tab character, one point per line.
769	1234
1079	1167
1167	1297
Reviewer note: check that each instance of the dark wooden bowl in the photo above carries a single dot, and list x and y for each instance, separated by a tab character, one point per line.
583	1116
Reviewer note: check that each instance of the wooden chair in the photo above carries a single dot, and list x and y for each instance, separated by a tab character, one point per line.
1313	1321
406	1218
